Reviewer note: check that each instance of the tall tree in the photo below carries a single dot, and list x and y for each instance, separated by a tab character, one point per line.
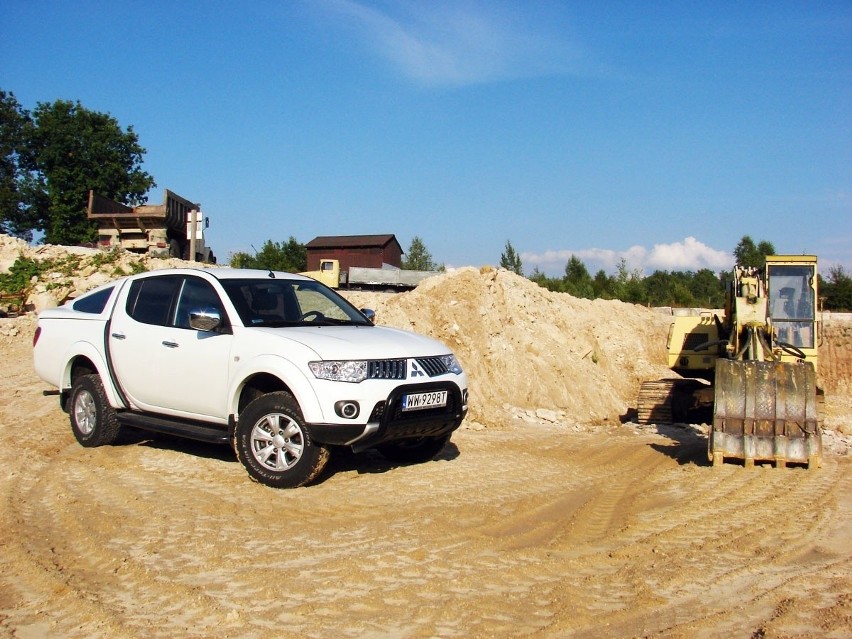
16	217
708	289
418	257
604	285
837	291
510	260
749	254
577	280
74	150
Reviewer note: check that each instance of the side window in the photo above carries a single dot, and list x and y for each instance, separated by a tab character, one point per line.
195	293
150	299
93	303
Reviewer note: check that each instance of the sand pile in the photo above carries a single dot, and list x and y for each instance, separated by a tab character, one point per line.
526	349
73	270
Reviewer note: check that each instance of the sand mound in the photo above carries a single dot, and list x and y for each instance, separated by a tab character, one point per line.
527	349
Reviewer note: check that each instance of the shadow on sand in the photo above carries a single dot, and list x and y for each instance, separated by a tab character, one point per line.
342	459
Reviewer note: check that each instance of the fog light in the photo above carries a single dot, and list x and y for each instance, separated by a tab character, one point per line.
347	409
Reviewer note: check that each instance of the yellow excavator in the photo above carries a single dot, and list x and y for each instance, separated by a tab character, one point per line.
752	372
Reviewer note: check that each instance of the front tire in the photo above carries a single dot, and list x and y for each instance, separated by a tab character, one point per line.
93	420
272	442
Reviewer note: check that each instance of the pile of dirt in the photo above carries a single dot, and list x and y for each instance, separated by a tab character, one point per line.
525	348
70	271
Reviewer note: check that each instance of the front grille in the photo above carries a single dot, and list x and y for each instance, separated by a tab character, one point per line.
691	340
386	369
432	366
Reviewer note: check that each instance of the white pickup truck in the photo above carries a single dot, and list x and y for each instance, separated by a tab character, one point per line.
277	365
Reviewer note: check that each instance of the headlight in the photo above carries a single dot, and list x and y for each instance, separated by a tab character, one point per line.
342	371
452	364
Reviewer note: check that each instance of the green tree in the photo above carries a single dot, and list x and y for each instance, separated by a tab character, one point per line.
708	289
538	277
628	284
837	291
577	280
510	260
604	285
290	256
418	257
15	161
658	288
748	254
74	150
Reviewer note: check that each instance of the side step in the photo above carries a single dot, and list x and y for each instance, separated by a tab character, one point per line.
199	431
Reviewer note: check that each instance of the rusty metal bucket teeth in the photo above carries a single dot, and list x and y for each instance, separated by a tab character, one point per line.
765	411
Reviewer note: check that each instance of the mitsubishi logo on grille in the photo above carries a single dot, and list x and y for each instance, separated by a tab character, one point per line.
416	372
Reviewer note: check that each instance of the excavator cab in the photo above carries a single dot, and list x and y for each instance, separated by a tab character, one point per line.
792	304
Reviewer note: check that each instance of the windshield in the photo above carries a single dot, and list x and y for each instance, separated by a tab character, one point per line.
791	303
290	303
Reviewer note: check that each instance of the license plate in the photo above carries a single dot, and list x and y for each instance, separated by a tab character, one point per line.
419	401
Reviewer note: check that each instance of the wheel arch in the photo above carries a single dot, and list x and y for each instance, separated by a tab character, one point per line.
84	359
269	374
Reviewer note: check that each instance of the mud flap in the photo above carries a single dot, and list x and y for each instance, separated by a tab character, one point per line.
765	411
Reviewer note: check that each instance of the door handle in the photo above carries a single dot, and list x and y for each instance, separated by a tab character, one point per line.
119	335
170	344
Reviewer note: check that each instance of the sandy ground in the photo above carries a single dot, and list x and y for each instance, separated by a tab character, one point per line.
545	517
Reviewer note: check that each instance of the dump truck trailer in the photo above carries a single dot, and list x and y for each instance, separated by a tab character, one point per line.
390	278
174	228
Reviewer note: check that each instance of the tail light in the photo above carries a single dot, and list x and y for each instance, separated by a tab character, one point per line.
36	335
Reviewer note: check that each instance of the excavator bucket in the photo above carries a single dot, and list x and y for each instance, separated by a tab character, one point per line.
765	411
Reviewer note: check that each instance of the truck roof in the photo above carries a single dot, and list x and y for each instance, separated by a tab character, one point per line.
228	273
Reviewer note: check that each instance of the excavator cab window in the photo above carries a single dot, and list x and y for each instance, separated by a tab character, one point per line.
791	303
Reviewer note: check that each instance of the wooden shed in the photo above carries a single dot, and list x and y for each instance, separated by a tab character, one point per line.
367	251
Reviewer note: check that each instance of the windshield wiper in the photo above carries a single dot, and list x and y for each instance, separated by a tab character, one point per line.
333	321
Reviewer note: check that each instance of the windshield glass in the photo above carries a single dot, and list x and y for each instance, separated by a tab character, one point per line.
290	303
790	293
791	303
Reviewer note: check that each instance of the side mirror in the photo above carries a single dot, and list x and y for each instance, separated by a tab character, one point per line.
205	319
369	313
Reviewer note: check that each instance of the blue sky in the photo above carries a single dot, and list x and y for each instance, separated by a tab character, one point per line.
657	132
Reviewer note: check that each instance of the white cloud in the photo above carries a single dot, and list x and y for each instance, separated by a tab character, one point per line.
688	255
459	42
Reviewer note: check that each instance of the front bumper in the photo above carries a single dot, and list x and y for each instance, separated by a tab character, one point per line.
388	422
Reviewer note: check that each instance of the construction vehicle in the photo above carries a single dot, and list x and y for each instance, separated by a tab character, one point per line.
174	228
389	277
752	372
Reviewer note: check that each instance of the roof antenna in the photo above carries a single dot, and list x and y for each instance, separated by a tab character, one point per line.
271	274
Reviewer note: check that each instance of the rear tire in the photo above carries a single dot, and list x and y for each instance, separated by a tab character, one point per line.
272	442
93	420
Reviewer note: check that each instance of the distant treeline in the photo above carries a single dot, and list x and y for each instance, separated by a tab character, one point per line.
682	289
